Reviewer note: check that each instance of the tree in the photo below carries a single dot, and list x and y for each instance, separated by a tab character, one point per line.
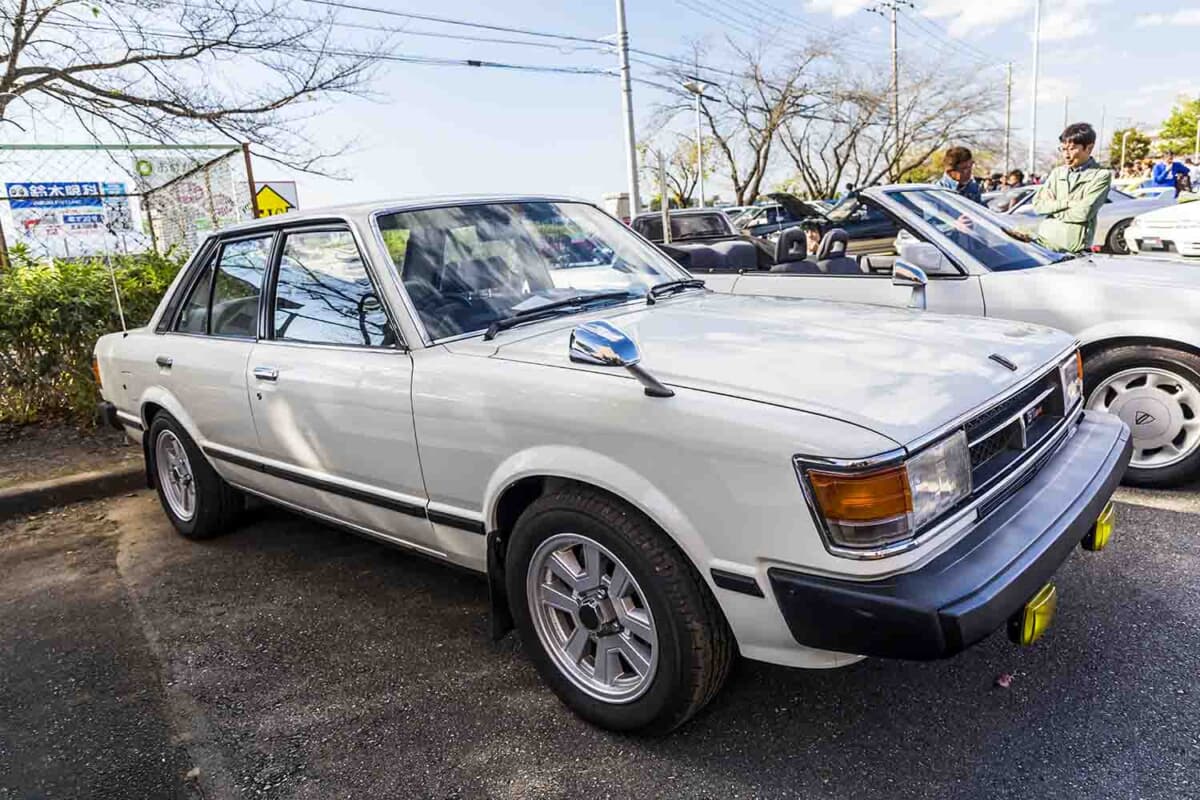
679	165
745	110
1178	133
852	140
1137	146
172	70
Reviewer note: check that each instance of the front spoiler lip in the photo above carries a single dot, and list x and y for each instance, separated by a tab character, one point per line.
970	590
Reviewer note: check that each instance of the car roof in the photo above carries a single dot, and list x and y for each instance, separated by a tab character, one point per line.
681	212
399	204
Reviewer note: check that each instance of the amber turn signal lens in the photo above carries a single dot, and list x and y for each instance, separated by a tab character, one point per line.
96	372
1079	365
863	497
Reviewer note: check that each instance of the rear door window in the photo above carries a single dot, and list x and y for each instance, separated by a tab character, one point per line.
237	286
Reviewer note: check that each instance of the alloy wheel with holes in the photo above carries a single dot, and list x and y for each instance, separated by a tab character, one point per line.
1156	392
175	475
195	498
612	613
1116	238
592	617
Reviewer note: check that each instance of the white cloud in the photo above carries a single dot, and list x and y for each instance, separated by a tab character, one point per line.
1184	16
1066	19
839	8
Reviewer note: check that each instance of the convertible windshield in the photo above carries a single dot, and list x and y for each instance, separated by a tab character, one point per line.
466	267
974	230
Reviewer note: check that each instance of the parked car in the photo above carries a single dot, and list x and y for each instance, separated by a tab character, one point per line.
1175	229
653	477
1136	318
869	230
703	239
1114	218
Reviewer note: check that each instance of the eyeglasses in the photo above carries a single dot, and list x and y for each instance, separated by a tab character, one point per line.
1067	147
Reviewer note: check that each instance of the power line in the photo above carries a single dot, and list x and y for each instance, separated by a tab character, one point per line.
947	42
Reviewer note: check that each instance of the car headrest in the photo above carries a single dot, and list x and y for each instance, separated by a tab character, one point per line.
791	246
833	244
477	274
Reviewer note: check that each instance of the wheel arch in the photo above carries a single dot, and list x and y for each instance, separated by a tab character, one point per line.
1090	347
526	476
154	400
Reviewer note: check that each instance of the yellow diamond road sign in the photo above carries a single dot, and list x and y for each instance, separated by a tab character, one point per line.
276	197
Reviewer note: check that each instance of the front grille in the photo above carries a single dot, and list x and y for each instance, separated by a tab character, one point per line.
1002	436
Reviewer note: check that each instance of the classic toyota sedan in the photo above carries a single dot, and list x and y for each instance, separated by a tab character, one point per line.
653	477
1138	319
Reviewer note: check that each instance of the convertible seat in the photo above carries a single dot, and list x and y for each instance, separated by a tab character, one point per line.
831	255
795	259
720	256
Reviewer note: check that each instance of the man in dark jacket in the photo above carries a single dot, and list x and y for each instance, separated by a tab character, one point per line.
958	166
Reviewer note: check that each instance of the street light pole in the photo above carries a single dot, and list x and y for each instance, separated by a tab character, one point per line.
1007	116
1196	153
699	150
635	202
1037	32
1124	137
895	95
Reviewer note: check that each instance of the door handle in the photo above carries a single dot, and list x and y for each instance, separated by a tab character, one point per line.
266	373
164	361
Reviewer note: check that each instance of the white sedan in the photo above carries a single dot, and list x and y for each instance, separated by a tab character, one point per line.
1168	230
653	477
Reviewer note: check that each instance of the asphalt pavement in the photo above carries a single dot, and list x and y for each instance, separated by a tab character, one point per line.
290	660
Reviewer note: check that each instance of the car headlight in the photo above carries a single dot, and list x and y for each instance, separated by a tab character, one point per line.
879	508
1071	371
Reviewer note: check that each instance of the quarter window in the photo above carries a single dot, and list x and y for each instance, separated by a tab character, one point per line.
194	317
324	294
238	283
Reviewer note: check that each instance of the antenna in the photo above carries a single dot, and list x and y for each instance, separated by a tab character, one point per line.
113	277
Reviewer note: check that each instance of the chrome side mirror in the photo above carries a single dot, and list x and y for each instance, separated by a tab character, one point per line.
923	254
906	274
603	344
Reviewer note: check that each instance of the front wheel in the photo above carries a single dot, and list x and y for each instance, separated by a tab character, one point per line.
1156	392
1116	238
614	616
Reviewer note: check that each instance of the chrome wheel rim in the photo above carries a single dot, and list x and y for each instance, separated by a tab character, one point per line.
1161	408
175	478
592	618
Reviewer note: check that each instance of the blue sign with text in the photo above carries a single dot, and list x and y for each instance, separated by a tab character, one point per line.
53	194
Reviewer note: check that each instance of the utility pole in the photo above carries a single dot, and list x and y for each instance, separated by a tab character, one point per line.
664	202
1037	33
895	95
1007	116
699	150
631	170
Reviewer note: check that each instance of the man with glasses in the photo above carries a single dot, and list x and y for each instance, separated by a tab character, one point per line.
1071	196
958	174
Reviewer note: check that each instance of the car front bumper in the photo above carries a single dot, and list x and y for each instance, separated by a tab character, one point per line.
1181	241
974	587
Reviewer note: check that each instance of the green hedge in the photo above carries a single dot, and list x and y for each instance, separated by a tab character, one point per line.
51	313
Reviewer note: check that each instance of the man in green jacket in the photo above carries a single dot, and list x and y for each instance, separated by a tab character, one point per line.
1072	194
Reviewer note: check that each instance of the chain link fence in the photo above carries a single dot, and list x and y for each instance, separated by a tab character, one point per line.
64	201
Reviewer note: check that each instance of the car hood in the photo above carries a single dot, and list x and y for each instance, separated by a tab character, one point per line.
898	372
1126	272
1179	212
799	209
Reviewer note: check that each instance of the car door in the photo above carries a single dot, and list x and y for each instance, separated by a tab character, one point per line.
201	358
330	388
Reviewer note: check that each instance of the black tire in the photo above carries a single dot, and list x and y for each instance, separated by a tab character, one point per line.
217	503
696	646
1115	241
1099	367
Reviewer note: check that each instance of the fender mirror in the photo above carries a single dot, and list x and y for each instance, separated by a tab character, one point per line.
603	344
906	274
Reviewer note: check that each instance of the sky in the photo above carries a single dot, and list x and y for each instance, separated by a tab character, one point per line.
434	129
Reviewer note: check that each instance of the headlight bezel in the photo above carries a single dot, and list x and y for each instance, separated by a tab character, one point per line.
916	523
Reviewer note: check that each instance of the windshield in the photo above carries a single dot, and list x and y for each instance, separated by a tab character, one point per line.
683	226
974	230
465	267
845	210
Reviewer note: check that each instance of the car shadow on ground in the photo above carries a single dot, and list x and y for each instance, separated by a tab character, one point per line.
323	658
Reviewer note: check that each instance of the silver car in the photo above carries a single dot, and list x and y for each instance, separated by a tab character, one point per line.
1138	319
1115	216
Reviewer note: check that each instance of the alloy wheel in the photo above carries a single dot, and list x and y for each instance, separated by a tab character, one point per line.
592	618
175	477
1161	408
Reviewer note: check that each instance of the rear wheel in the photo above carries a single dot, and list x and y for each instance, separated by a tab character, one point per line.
1156	391
1116	238
198	502
614	616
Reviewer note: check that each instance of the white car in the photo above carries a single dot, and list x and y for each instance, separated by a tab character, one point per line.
1172	230
1114	218
1136	318
654	477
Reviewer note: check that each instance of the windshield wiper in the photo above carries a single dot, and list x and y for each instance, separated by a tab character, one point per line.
551	309
671	287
